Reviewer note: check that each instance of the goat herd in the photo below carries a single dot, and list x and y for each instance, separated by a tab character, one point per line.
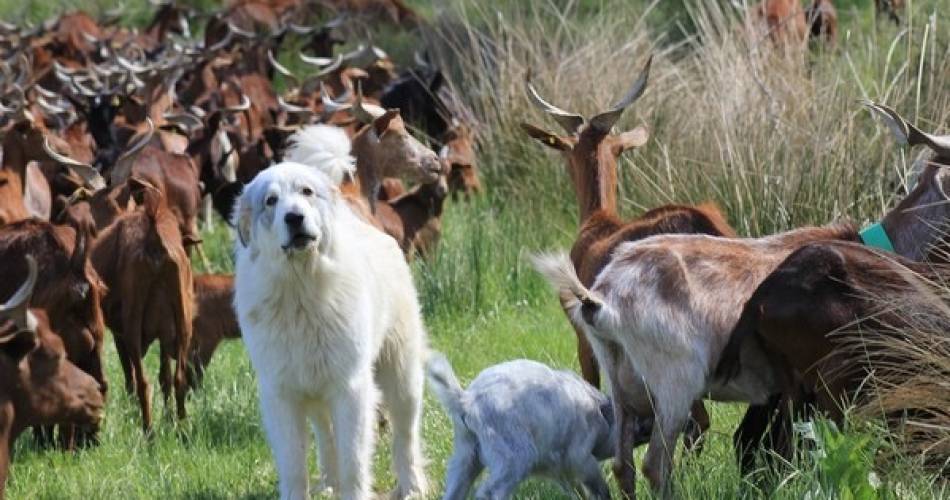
115	143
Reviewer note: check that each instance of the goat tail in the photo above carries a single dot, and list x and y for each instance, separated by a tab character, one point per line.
446	386
581	304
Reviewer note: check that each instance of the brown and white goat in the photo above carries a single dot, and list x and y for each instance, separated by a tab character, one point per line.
142	259
38	385
591	153
672	302
823	287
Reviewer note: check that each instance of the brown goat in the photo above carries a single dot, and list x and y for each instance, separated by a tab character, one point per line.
142	258
414	219
783	21
690	292
38	385
458	152
816	291
68	288
591	153
214	322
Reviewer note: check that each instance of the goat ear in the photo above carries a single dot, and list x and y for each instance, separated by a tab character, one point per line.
547	138
381	124
18	345
631	139
436	82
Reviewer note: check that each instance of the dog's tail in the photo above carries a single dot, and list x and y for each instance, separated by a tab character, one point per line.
446	386
324	147
581	304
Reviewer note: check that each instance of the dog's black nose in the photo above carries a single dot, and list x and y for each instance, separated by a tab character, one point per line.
293	220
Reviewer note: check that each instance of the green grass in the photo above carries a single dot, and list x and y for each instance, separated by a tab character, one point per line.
805	153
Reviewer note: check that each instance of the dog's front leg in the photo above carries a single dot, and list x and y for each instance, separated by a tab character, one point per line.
285	426
354	427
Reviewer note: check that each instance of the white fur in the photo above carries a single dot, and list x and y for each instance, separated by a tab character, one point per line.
324	147
520	418
325	325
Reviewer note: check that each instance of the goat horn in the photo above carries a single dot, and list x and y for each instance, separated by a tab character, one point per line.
131	66
420	60
317	61
281	68
89	174
123	166
49	107
570	122
291	108
185	120
906	133
301	30
359	111
244	106
89	38
331	106
360	49
336	22
16	306
239	31
606	120
49	94
330	69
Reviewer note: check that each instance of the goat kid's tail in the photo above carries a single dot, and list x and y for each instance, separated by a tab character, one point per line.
446	386
581	304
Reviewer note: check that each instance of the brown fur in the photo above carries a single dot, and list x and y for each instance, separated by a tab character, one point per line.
142	259
214	322
40	386
783	21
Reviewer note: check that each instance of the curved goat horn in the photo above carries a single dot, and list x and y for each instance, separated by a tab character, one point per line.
570	122
89	174
243	106
291	108
281	68
907	133
316	61
16	307
331	106
360	112
606	120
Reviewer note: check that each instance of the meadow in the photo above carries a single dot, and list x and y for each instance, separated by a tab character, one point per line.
778	140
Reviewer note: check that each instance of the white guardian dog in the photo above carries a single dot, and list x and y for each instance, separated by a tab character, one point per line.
328	313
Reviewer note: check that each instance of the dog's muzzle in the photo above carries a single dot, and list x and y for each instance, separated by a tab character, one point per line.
299	237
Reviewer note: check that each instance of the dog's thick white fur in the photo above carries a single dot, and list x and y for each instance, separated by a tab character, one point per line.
324	147
328	313
520	418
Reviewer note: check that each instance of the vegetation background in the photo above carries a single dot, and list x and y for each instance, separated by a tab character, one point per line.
778	140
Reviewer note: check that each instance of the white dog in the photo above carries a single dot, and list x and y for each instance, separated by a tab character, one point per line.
329	313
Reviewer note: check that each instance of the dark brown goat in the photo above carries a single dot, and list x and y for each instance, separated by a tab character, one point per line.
38	385
815	292
142	258
214	322
591	153
414	218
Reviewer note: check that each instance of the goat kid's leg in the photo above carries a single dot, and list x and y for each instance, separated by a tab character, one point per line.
181	384
285	427
353	414
462	470
593	479
165	374
751	430
142	388
502	481
124	361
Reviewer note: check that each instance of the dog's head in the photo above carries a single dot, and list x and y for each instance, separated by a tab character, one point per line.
287	208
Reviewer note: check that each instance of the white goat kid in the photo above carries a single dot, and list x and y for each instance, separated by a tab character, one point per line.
520	418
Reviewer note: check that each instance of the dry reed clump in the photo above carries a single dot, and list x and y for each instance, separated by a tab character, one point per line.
775	136
907	358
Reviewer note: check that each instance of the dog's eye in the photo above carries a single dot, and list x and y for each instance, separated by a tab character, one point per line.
271	200
307	191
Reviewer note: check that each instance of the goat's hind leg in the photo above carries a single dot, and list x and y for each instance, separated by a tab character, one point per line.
669	419
462	470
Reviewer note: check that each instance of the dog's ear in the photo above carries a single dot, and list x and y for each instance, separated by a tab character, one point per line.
243	217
